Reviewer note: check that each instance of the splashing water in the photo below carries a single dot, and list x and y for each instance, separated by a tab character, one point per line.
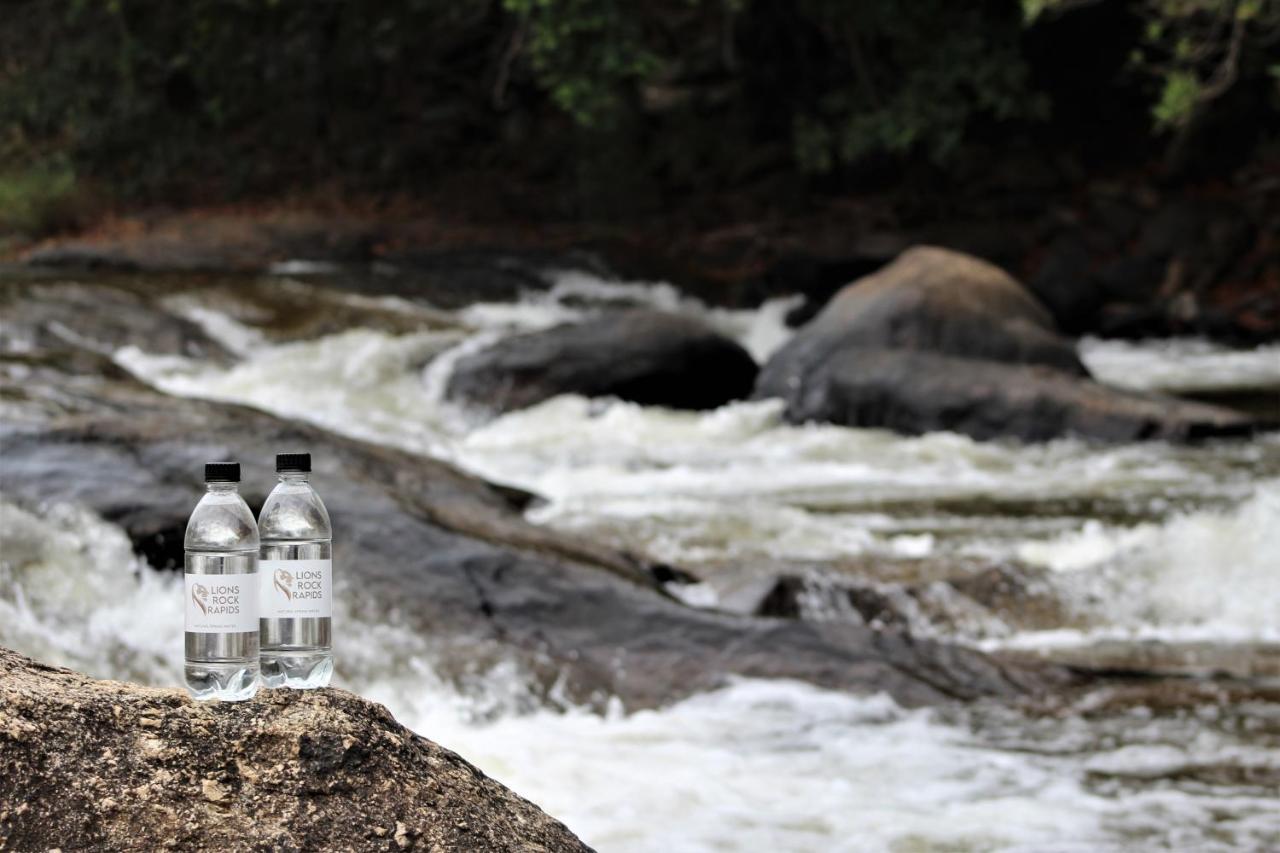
1199	576
1181	365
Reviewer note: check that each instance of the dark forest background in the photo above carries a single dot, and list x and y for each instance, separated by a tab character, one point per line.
756	140
611	108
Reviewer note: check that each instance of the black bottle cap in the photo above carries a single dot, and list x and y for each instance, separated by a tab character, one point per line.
296	462
222	472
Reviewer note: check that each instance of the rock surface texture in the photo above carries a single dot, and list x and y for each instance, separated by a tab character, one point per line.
106	765
646	357
938	340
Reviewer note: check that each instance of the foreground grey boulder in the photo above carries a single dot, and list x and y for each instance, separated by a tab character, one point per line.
100	765
646	357
938	340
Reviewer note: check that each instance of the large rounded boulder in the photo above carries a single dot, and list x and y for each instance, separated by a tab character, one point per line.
931	300
646	357
939	340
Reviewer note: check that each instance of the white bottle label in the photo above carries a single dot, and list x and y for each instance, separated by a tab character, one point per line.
295	589
221	604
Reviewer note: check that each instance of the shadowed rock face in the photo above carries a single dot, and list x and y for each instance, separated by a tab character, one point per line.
88	764
643	356
43	316
914	392
444	550
938	340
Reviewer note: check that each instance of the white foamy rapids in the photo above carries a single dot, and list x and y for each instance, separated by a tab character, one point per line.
72	593
779	766
755	766
1182	365
739	482
1198	576
570	446
362	383
239	339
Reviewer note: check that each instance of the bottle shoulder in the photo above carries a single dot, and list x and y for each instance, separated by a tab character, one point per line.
294	511
221	522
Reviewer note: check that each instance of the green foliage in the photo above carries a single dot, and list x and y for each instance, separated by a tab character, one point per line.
894	77
586	53
38	199
224	95
1032	9
1178	99
919	74
210	98
1194	51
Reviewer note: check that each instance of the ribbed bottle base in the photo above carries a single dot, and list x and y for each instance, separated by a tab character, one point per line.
297	669
225	682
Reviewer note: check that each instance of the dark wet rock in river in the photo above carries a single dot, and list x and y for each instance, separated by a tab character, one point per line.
917	392
938	340
1000	595
646	357
87	764
442	554
51	316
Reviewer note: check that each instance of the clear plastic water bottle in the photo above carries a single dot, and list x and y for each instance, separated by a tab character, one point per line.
221	591
296	577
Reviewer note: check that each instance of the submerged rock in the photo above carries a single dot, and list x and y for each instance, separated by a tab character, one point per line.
938	340
88	764
442	554
646	357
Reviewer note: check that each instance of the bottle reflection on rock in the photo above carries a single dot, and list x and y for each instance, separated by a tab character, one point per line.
220	594
296	580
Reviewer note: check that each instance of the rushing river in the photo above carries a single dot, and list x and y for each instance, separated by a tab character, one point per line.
1136	556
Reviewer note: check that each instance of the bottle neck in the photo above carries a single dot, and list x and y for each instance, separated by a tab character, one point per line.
222	488
293	477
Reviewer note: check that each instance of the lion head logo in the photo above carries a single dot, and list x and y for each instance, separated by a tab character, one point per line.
200	595
284	583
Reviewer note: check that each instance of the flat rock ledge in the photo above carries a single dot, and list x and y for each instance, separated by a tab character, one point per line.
103	765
